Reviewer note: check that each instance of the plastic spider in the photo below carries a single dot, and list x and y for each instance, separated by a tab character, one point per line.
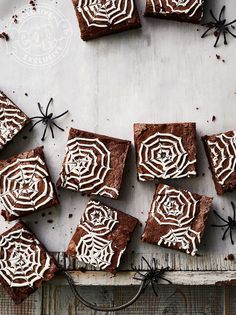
47	119
230	224
220	27
152	275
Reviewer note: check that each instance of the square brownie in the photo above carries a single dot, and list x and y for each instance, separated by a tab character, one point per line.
25	185
180	10
93	164
221	154
102	236
24	263
99	17
165	150
177	219
12	120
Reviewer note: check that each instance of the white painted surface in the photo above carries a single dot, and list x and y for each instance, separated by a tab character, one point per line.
160	73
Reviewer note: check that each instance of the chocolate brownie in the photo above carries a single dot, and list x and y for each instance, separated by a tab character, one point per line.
177	219
93	164
24	263
12	120
102	236
99	17
165	150
25	185
180	10
221	153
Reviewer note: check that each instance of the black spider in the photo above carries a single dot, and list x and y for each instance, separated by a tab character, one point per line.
230	224
220	27
47	119
152	275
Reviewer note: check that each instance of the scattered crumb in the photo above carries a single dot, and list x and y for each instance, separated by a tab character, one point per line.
82	269
213	118
33	4
26	94
5	36
203	174
223	60
218	57
198	30
25	137
70	215
53	227
197	108
50	221
132	186
43	214
49	213
35	222
231	257
207	121
15	18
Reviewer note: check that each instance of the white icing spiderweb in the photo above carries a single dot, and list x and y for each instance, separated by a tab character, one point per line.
98	220
223	154
174	207
12	120
162	155
86	166
20	259
103	13
25	185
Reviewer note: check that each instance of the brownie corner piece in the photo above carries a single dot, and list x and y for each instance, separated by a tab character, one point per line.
102	236
12	120
24	263
184	11
165	151
221	153
25	185
93	164
177	219
99	18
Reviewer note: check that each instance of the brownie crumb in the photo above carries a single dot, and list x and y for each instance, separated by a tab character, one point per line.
25	137
203	174
5	36
50	221
26	94
213	118
82	269
223	60
218	57
197	108
49	213
43	214
70	215
15	18
230	257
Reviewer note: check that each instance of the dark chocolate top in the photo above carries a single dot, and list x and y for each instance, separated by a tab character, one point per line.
93	163
102	236
177	219
12	120
165	150
25	184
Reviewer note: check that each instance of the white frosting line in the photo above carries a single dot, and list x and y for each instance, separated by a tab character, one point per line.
162	155
178	6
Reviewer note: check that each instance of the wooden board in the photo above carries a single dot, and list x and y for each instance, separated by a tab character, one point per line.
161	73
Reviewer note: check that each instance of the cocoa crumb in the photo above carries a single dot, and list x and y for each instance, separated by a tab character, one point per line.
43	214
213	118
26	94
218	57
15	18
70	215
5	36
50	221
230	257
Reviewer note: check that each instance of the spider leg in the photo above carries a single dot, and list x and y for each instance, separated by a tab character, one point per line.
50	101
221	12
154	263
166	280
231	237
219	216
147	262
232	34
223	237
219	225
60	115
35	124
44	134
206	32
40	109
234	210
225	38
153	288
213	16
140	279
230	23
217	39
58	126
51	131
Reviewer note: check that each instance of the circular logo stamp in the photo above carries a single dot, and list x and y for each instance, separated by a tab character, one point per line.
40	37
